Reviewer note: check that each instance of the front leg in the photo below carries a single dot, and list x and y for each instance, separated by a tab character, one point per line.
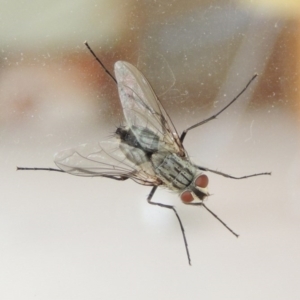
230	176
223	223
178	218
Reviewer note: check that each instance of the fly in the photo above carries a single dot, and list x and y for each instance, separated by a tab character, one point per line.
147	149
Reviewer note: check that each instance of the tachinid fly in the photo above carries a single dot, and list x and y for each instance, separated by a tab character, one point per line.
147	149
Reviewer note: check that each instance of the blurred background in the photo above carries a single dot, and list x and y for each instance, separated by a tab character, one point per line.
66	237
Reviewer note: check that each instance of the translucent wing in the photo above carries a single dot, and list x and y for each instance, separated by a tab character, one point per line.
103	159
142	109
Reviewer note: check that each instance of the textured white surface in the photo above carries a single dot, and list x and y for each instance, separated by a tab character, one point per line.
67	237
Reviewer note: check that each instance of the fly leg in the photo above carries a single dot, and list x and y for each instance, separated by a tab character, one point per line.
39	169
178	218
223	223
100	62
215	115
230	176
116	177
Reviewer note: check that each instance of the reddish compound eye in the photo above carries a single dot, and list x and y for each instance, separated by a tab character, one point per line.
202	181
186	197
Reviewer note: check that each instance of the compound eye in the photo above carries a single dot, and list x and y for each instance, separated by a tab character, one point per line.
201	181
186	197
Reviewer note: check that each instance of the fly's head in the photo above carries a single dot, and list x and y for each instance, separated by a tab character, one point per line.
197	190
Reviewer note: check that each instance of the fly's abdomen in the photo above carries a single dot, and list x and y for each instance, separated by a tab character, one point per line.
139	137
174	171
148	140
135	155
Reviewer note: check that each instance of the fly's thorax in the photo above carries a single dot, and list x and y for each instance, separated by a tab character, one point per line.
176	172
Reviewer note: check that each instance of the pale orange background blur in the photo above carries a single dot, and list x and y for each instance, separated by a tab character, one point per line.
66	237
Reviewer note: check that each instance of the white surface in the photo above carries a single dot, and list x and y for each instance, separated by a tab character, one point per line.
66	237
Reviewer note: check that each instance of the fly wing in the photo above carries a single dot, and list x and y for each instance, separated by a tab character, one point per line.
102	159
142	109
